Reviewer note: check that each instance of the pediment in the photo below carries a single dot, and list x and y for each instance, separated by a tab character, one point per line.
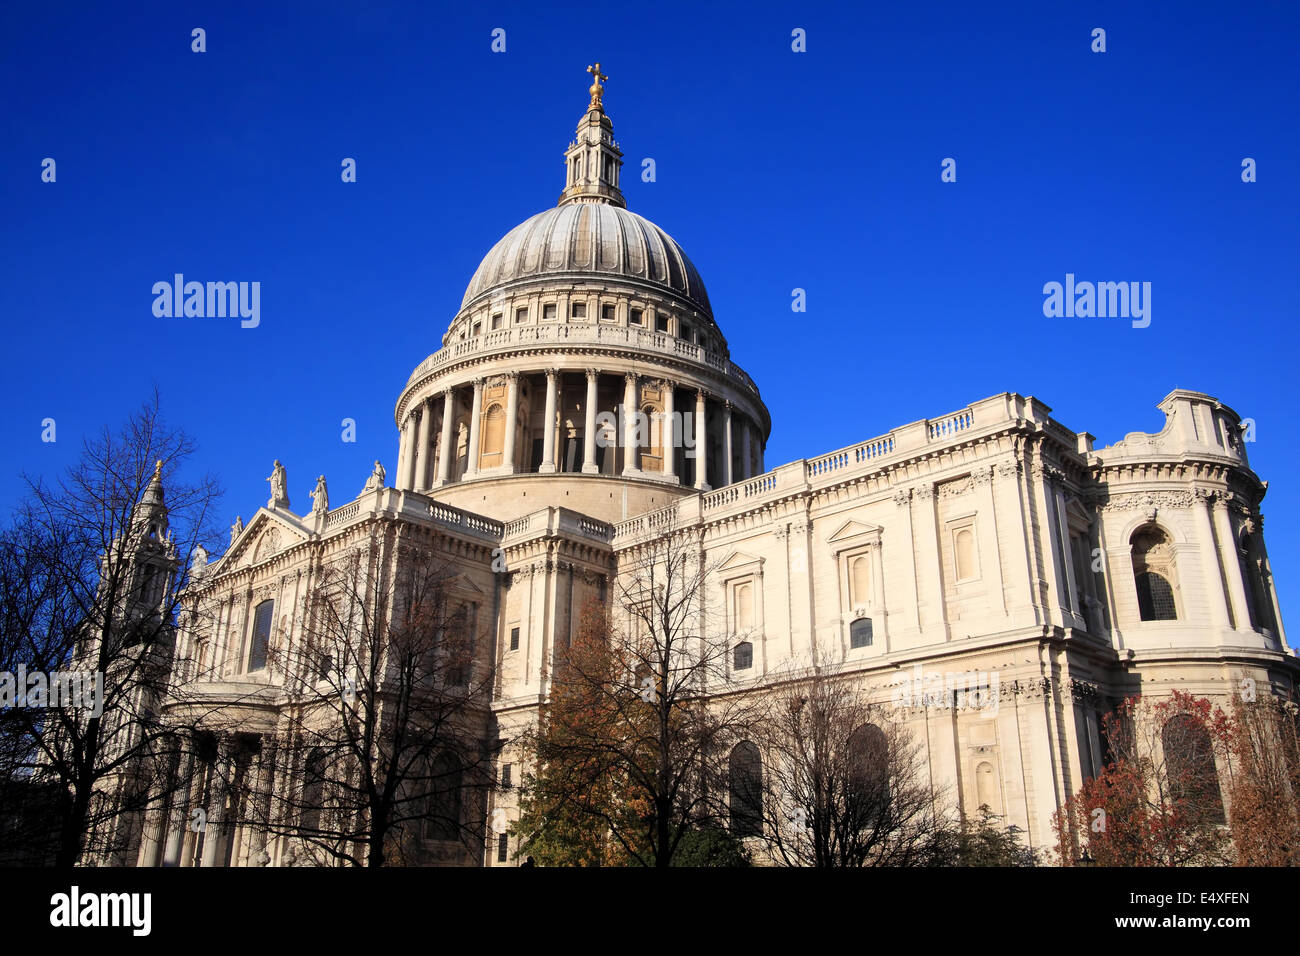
740	560
266	535
852	529
853	533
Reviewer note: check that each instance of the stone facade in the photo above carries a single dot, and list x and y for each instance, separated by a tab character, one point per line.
991	540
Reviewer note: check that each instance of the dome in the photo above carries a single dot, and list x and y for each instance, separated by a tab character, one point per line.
590	239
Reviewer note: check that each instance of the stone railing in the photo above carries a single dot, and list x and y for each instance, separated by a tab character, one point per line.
467	521
637	340
344	513
813	473
558	521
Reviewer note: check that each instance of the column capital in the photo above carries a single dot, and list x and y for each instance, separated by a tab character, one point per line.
592	373
630	377
701	393
552	374
727	404
510	376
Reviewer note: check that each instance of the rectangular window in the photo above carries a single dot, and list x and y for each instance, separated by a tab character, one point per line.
549	311
579	310
743	656
503	848
521	316
478	327
860	632
507	773
514	638
496	321
634	317
262	618
608	312
661	323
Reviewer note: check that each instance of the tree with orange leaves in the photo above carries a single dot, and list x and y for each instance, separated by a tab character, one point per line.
1158	801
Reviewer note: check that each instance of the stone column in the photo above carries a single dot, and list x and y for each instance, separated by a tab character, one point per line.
407	475
150	839
667	434
221	766
448	450
727	476
177	815
548	432
701	444
1214	593
422	448
930	563
475	427
746	451
512	425
589	466
1231	566
1073	602
629	424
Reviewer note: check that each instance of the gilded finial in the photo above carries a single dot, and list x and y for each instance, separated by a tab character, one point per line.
157	470
596	89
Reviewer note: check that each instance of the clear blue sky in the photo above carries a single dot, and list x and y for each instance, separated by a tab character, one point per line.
776	170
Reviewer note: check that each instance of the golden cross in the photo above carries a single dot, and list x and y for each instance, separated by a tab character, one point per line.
596	89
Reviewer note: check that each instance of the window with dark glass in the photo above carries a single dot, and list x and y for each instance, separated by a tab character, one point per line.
442	821
503	848
262	617
745	773
743	656
860	632
514	638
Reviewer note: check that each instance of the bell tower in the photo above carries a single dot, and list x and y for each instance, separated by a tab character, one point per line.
593	159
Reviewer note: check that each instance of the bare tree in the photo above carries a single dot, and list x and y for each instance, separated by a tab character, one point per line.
387	750
843	784
90	573
642	719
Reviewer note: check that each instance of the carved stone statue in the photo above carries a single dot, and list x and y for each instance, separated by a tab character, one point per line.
236	528
320	497
376	479
199	565
279	487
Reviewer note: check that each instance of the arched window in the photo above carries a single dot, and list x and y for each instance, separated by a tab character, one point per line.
652	454
860	580
986	787
744	607
313	792
860	632
494	436
869	755
1189	766
745	770
263	615
963	548
1153	574
442	821
744	655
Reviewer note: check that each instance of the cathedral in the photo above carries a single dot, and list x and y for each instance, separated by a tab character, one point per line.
584	398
